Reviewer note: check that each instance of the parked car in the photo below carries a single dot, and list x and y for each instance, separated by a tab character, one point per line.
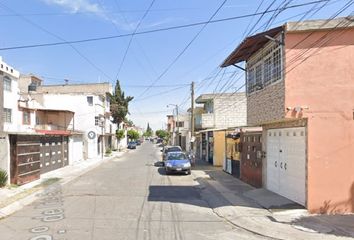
159	140
138	142
167	149
177	162
132	145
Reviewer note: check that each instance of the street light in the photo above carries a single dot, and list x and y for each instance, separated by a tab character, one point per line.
175	105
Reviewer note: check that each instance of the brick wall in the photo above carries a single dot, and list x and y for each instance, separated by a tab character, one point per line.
266	105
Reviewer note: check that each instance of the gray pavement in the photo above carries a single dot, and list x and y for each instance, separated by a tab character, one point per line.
125	198
130	197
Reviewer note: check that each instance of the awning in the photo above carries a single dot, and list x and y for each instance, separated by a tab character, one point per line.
249	46
211	130
54	132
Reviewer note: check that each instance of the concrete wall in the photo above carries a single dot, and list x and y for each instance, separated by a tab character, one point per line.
75	149
1	103
323	81
230	110
56	120
5	153
266	105
219	148
84	118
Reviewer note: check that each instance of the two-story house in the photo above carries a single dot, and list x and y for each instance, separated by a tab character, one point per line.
31	142
91	105
300	86
218	111
179	130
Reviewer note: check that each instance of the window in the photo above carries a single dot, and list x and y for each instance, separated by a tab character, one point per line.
26	118
264	68
258	76
251	80
90	100
7	83
180	124
7	115
267	70
97	121
276	65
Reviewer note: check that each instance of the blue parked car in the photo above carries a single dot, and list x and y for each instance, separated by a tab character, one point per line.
132	145
177	162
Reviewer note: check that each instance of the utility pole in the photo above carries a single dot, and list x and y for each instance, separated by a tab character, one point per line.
192	117
177	123
177	126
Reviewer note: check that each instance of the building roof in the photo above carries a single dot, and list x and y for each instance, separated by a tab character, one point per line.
203	98
249	46
252	44
92	88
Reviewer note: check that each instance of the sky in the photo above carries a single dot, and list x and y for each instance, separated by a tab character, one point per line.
158	67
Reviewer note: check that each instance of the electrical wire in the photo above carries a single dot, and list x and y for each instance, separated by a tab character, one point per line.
132	36
58	37
185	48
152	31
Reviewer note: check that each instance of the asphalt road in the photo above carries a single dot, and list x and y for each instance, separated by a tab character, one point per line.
126	198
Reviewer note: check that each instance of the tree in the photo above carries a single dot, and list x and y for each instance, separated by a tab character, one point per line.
120	134
119	104
162	134
132	134
129	122
148	132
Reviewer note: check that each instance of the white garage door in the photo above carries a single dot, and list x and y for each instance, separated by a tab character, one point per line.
286	163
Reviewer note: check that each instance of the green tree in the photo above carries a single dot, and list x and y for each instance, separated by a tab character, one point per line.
162	134
129	122
120	134
133	135
148	132
119	104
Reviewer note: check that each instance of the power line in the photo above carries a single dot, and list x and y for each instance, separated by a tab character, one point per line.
58	37
132	36
138	44
159	94
185	48
154	30
346	6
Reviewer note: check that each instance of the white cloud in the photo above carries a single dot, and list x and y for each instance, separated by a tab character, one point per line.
87	6
77	5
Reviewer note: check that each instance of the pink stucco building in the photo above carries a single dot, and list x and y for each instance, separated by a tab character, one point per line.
300	89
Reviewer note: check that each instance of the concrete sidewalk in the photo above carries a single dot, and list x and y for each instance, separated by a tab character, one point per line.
263	212
13	199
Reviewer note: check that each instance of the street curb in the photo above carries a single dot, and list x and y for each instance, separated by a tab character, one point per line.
255	222
21	203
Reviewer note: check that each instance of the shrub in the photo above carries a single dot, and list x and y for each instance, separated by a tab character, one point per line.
3	177
108	151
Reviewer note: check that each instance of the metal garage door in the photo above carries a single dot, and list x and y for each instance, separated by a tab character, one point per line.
54	153
286	163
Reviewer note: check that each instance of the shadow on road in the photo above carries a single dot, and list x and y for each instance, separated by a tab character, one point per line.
340	225
158	164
